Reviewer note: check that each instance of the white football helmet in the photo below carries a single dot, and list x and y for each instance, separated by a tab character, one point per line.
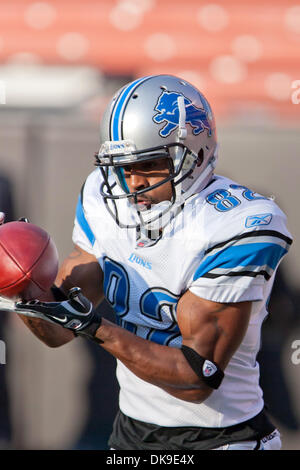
156	117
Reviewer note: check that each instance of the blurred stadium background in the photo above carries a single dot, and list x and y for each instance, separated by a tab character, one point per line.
60	61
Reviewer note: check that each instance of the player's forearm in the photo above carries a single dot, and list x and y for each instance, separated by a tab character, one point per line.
159	365
50	334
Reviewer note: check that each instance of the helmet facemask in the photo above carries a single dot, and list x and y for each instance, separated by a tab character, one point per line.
114	189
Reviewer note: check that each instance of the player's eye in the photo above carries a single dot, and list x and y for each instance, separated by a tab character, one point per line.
145	166
127	170
150	165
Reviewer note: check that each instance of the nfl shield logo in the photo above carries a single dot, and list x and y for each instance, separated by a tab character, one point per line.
208	368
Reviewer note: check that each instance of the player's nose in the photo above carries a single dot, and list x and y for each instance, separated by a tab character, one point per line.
138	181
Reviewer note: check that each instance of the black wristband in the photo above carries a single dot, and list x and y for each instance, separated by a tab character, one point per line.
91	330
207	370
58	294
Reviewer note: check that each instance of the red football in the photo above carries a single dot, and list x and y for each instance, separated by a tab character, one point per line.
28	260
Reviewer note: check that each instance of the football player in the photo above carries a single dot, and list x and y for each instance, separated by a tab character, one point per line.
187	259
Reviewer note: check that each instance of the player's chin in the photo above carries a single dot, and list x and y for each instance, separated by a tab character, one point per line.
142	206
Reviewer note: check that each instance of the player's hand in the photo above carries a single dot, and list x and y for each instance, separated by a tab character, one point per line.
76	313
2	218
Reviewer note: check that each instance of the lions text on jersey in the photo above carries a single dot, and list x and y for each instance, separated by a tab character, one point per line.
225	246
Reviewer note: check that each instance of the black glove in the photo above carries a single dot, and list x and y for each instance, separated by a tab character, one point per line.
2	218
76	314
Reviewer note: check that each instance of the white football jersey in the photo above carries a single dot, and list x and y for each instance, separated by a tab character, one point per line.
225	246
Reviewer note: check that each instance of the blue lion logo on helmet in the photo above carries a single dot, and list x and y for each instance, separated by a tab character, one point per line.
168	112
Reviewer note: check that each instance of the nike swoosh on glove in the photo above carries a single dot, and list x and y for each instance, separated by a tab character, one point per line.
76	313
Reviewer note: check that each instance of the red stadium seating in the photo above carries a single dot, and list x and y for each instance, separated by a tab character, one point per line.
245	55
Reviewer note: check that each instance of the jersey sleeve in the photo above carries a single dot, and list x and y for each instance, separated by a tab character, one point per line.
83	234
237	268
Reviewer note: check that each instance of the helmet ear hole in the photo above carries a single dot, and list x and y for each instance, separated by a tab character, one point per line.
200	157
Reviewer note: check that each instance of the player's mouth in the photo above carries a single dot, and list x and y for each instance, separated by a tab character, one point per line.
143	204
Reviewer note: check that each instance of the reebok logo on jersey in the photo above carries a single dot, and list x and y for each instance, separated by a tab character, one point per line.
258	219
208	368
133	258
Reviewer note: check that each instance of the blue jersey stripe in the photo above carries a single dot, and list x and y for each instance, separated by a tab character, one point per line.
252	254
128	326
116	120
83	222
163	337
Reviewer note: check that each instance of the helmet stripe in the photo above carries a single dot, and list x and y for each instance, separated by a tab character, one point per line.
119	107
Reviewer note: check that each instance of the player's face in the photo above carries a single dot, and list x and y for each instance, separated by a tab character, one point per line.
145	174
